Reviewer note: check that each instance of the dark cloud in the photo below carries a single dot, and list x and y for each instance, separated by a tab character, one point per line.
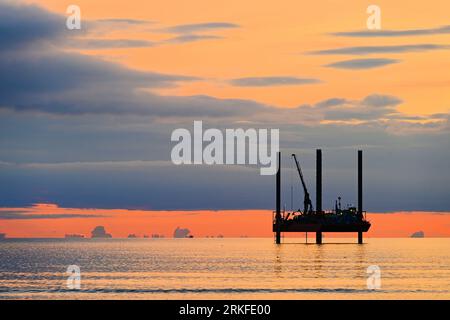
352	114
95	44
271	81
76	88
65	83
25	25
18	215
195	32
184	38
40	26
32	76
55	82
373	100
332	102
123	21
376	109
201	27
365	50
394	33
400	170
371	108
357	64
378	100
94	29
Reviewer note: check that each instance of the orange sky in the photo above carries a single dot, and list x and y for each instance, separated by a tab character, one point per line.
229	223
272	41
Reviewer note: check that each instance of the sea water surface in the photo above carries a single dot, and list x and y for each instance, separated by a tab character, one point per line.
224	269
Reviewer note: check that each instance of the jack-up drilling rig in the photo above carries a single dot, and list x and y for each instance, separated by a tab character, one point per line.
351	219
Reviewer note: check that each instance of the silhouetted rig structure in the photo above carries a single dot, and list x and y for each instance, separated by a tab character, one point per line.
351	219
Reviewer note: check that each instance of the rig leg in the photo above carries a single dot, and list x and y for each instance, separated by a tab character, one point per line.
318	237
278	237
360	237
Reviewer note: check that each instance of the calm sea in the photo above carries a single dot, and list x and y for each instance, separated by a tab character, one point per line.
225	269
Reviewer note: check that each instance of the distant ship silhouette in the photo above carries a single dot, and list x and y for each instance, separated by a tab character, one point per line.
100	232
182	233
418	234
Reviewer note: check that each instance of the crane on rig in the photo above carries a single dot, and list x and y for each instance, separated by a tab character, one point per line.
307	203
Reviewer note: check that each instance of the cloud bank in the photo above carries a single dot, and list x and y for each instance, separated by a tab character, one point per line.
271	81
394	33
366	50
357	64
83	132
